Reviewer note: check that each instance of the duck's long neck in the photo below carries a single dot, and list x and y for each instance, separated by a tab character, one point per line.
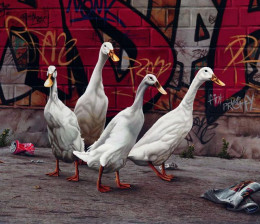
188	99
54	90
96	78
138	103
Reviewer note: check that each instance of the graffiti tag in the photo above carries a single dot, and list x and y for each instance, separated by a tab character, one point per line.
48	41
94	9
36	19
2	8
236	55
238	103
201	130
215	99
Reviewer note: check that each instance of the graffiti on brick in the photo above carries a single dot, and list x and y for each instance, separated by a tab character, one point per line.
94	9
148	36
203	131
74	50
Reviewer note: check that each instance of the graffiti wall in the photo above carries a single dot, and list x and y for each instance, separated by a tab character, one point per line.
169	38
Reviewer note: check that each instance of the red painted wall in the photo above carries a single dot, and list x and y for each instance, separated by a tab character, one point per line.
148	37
171	39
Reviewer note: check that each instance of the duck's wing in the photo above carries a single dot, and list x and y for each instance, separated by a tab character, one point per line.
163	135
72	120
63	129
113	141
164	125
59	115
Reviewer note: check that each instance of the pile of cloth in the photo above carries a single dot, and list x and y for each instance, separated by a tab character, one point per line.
242	196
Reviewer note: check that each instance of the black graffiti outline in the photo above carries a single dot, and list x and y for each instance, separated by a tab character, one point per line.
128	45
80	7
214	112
76	67
200	128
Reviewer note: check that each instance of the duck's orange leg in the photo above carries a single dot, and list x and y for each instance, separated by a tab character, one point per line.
164	173
56	171
76	176
121	185
163	177
101	187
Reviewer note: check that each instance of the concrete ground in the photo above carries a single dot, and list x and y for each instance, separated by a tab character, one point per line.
28	196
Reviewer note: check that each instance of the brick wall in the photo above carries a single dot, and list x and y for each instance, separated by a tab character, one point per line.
169	38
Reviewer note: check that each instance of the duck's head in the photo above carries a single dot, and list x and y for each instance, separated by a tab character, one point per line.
206	74
107	49
151	80
51	74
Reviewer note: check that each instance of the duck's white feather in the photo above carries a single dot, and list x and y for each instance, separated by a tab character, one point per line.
161	139
63	129
91	109
114	144
165	135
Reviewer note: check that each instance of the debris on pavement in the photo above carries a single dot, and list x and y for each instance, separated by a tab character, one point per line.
236	197
37	161
22	148
170	166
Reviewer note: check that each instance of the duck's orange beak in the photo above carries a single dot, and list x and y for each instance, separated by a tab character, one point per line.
113	56
160	88
48	82
217	80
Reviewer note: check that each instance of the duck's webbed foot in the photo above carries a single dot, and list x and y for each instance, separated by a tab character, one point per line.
76	176
56	171
100	187
162	175
103	188
119	184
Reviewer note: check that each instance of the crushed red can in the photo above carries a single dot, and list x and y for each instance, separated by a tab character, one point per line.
22	148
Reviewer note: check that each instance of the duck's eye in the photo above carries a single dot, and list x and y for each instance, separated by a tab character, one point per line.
105	45
206	70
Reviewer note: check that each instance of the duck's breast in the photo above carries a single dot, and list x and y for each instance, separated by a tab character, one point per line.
91	109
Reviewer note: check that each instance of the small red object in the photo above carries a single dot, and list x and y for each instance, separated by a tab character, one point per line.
22	148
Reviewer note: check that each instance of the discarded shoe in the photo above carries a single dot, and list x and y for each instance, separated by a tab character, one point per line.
22	148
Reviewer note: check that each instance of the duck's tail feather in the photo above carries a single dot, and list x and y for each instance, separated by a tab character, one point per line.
81	155
91	147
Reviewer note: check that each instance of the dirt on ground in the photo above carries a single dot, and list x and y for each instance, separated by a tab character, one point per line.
27	195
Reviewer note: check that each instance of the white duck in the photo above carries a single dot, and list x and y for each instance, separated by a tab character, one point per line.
109	153
91	107
63	128
159	142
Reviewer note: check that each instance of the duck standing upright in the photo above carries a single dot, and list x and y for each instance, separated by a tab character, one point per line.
63	129
159	142
91	107
109	153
